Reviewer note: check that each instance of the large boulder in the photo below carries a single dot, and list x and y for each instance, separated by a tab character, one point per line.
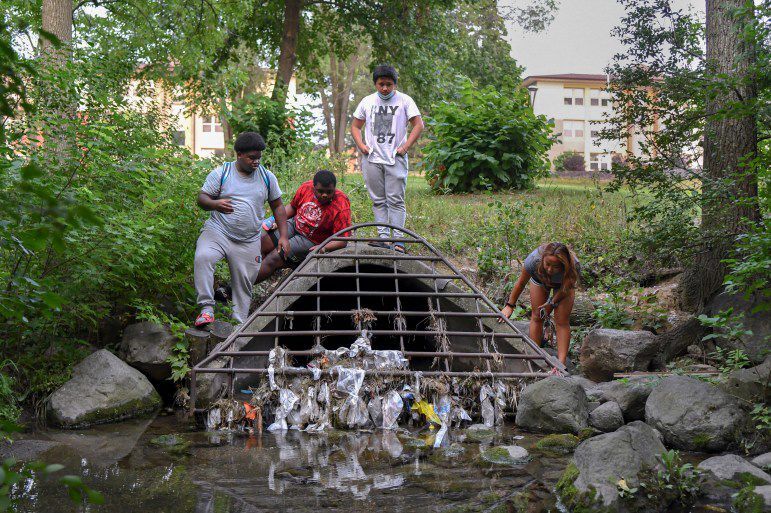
630	395
102	389
147	346
694	415
756	346
763	461
607	417
751	384
606	351
730	467
601	461
553	405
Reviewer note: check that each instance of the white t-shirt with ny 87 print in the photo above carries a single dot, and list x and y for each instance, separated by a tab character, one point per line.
385	124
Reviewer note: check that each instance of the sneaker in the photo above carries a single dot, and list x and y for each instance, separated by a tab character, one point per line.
378	244
555	372
204	319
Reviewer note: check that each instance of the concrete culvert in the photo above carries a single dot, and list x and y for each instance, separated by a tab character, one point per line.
451	314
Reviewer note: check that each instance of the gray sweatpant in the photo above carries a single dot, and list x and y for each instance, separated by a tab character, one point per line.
244	263
386	185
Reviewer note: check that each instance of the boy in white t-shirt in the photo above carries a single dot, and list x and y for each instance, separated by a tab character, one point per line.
384	116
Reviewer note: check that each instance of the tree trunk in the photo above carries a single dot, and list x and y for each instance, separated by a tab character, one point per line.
288	51
57	20
327	118
729	190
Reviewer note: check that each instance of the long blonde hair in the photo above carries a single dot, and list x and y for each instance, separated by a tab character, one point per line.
568	261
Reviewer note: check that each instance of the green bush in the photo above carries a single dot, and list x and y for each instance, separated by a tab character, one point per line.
569	161
284	127
486	139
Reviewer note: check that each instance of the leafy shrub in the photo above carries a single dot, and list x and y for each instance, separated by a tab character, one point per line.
569	161
284	127
486	139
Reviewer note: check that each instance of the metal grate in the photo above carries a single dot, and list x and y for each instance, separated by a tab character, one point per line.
426	265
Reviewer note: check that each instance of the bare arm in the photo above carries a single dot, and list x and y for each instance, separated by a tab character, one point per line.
356	126
524	277
279	212
417	128
206	202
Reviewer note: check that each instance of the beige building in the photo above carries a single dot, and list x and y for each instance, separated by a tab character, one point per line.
201	134
579	105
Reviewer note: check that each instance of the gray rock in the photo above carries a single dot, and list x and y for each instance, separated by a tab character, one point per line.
730	466
506	455
694	415
751	384
593	405
25	450
631	396
607	417
147	346
756	345
762	461
586	383
605	351
604	459
103	445
765	493
102	389
553	405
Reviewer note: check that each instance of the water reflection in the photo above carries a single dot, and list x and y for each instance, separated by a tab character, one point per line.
289	471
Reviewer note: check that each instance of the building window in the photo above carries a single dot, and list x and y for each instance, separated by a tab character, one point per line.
178	136
211	124
605	102
573	129
574	96
594	99
595	134
599	162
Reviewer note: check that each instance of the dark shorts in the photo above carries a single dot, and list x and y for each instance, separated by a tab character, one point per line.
549	290
299	244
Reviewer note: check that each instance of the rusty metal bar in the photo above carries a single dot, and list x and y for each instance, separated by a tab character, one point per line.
372	293
376	256
373	239
348	313
313	333
401	276
302	371
417	354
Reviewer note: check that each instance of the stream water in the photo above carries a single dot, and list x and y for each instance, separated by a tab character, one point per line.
292	471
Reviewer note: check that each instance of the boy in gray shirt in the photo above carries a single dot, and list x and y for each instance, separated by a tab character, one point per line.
236	193
385	115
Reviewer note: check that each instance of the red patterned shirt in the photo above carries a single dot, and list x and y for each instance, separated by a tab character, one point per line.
317	221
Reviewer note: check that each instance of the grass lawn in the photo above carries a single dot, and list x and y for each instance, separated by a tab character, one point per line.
575	211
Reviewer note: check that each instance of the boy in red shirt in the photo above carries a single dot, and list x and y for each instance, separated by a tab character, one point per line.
317	211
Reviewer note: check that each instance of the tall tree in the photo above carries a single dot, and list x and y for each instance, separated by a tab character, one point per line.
287	56
57	21
730	143
697	115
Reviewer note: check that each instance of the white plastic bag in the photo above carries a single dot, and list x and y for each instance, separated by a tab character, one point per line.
375	408
488	412
392	408
287	399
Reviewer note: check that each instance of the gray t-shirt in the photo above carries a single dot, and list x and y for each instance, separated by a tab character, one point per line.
531	266
247	195
385	124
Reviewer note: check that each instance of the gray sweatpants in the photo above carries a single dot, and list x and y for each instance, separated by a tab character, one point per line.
386	185
244	263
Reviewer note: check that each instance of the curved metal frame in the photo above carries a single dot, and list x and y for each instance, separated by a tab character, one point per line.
302	271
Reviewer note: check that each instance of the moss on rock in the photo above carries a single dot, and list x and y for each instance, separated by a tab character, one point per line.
558	443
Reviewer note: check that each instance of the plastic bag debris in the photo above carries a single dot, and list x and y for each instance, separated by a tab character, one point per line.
392	408
276	360
500	402
488	412
287	400
360	346
389	360
375	409
427	410
336	391
442	409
